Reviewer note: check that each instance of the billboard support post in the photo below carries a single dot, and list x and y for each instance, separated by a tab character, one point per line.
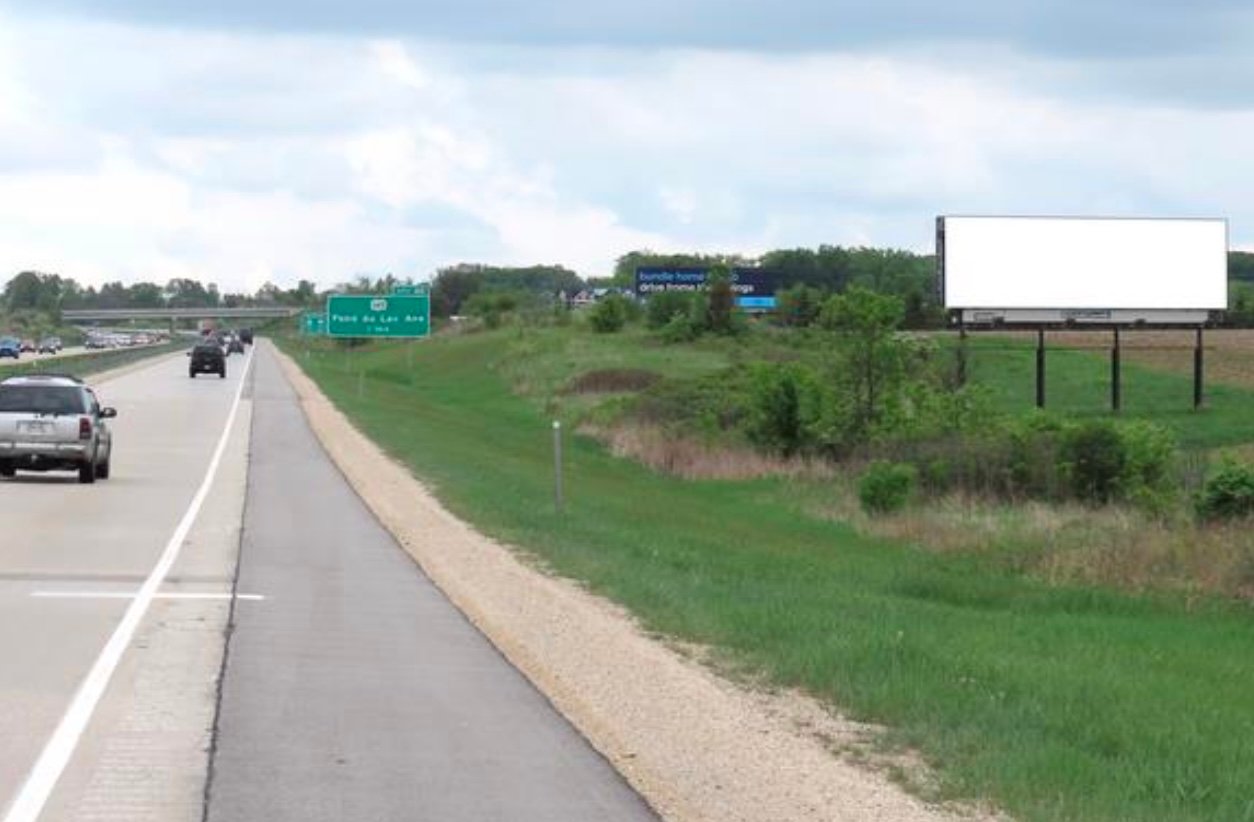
1040	368
962	354
1116	388
1197	370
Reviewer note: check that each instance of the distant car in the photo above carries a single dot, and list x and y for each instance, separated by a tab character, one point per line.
96	342
235	346
50	422
10	347
49	345
28	346
246	334
207	358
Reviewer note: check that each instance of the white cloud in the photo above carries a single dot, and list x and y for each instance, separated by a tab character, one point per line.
395	62
148	153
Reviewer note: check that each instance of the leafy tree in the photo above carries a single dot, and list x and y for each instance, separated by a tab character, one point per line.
183	292
453	286
872	358
722	300
491	306
1241	266
799	306
145	295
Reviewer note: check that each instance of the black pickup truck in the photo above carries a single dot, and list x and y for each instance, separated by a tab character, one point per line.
207	358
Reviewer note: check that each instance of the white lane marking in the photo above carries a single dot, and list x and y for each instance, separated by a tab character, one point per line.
131	595
60	747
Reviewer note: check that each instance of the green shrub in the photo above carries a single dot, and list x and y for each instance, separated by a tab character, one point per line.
664	306
1228	493
1096	460
1151	453
1035	468
610	314
679	329
886	486
712	404
1041	456
491	306
784	404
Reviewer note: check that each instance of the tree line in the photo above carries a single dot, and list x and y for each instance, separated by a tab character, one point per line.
52	293
802	276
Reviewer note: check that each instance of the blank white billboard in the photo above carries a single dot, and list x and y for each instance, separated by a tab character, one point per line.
1084	263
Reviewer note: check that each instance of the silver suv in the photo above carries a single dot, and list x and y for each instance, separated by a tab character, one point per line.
50	422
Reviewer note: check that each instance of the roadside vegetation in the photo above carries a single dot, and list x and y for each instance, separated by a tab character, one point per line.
1052	610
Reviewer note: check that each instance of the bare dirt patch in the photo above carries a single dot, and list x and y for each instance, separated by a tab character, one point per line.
613	381
695	745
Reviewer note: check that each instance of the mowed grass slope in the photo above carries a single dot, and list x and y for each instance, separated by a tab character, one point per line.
1054	702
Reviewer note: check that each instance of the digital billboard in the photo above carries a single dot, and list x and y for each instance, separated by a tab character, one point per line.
754	287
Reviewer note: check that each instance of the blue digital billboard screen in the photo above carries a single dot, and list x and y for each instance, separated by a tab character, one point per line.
754	287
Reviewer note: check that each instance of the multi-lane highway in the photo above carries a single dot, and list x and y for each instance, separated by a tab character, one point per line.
351	688
71	351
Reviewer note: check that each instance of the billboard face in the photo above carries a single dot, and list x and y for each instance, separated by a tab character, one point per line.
1070	263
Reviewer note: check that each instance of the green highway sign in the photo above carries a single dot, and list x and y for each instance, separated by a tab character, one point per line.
378	315
411	290
314	323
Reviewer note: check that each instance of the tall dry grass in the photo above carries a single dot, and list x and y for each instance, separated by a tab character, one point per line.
690	458
1112	546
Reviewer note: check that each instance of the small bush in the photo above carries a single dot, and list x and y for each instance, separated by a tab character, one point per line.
715	404
610	314
1096	459
784	404
1151	453
1228	493
663	307
886	486
681	328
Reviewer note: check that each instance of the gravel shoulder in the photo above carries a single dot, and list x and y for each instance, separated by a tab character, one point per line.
696	746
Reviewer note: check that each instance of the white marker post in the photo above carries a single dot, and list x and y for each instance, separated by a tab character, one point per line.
557	465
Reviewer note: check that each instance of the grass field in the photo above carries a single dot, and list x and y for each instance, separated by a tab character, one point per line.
1157	385
1053	701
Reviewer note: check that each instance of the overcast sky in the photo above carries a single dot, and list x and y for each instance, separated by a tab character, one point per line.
242	141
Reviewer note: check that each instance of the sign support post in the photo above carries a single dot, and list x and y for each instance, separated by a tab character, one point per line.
557	465
1116	388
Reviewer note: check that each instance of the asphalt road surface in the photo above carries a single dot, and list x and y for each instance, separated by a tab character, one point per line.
352	690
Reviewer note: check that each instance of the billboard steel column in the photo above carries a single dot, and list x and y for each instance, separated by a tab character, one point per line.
962	354
1040	368
1197	370
1116	388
